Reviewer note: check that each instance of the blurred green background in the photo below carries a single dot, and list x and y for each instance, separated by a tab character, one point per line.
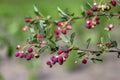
13	12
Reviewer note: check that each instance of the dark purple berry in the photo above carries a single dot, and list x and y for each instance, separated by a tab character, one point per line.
48	62
84	61
59	52
94	8
88	12
113	2
60	60
30	50
21	55
66	55
63	31
66	50
28	57
17	54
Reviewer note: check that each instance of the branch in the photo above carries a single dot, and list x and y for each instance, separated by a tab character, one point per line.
97	51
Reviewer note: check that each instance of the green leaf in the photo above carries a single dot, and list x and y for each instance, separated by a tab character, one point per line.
36	11
81	53
72	37
88	42
9	50
62	13
42	49
88	5
63	37
96	60
52	44
113	44
1	77
101	40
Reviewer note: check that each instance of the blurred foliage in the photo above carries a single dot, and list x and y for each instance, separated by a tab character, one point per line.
12	13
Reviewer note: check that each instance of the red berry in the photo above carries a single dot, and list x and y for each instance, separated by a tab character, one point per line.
39	36
84	61
18	47
17	54
60	24
107	44
48	62
89	25
28	20
88	12
64	31
66	50
97	18
30	50
54	59
66	55
59	52
28	57
57	36
24	28
60	60
68	27
94	8
21	55
113	2
57	32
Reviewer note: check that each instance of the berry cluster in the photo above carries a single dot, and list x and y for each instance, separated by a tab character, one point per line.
91	22
27	54
43	32
61	57
62	27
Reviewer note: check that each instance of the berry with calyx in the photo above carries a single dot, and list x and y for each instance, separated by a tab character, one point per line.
18	47
37	55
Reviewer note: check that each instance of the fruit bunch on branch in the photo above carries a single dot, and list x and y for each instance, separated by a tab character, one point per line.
45	33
